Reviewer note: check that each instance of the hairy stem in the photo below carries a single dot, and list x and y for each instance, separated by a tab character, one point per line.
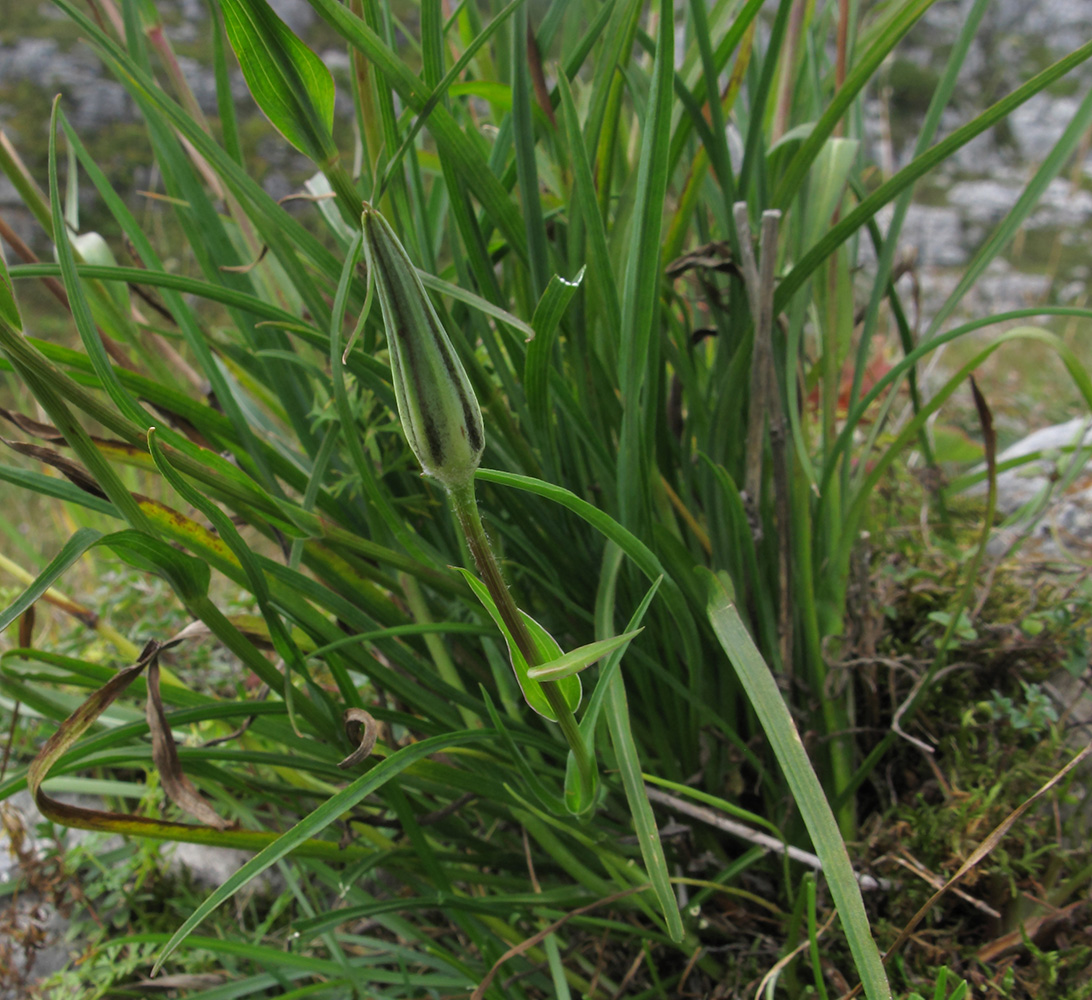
465	504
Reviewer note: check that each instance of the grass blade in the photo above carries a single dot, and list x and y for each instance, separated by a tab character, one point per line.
318	820
780	730
641	284
287	80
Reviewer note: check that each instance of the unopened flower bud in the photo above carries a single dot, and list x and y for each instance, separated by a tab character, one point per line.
439	411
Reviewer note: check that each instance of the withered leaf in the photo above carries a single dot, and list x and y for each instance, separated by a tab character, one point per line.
361	729
180	790
72	471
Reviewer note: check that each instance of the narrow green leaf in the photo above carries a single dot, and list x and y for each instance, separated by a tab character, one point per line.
550	802
188	576
322	817
9	310
75	547
641	286
551	307
58	489
289	82
601	277
546	648
644	822
580	658
604	622
777	722
523	130
461	294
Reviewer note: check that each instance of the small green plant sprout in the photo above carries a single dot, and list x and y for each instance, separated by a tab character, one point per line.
964	630
442	422
940	990
1036	715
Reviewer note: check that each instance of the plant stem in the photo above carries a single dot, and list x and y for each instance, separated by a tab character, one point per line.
465	504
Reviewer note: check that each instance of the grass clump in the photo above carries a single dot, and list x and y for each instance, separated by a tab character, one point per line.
668	342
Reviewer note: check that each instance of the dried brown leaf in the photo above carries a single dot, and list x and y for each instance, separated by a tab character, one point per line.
362	730
180	790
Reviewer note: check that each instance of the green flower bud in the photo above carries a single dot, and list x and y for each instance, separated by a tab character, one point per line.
439	411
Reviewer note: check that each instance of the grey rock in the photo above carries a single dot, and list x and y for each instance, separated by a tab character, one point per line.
192	10
1057	22
983	201
29	59
8	194
37	940
1047	499
933	232
201	82
25	226
208	866
1017	487
41	61
336	60
297	14
211	867
1000	289
1062	204
277	185
1038	123
981	153
1072	291
37	944
937	234
103	104
90	100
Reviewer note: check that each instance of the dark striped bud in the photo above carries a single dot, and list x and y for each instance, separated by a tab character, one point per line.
439	411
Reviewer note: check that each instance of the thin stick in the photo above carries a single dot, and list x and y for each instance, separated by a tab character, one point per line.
763	840
758	277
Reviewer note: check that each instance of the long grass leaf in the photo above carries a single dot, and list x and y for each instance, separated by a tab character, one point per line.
75	547
322	817
287	80
781	731
641	283
617	713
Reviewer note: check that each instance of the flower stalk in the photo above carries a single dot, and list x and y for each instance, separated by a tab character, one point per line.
443	425
464	503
